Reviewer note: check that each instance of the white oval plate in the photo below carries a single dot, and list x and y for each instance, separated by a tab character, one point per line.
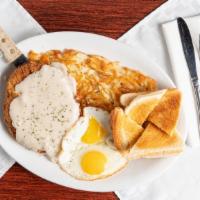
137	172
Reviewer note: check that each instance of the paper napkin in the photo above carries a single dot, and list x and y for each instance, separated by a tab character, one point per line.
181	72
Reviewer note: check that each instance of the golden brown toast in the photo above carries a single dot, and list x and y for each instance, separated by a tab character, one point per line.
155	143
125	131
16	77
142	105
165	114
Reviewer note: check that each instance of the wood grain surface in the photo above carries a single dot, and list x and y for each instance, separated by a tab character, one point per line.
111	18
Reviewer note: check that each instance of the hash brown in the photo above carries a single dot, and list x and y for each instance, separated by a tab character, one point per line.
100	82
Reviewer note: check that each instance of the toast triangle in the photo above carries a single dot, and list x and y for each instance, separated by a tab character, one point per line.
154	143
142	105
165	114
125	131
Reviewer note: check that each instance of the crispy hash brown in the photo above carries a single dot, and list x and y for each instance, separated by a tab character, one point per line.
100	82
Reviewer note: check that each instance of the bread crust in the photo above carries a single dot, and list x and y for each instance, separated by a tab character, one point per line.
155	143
125	99
123	136
16	77
116	116
159	154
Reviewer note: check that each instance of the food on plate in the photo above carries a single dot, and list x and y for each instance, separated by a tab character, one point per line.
89	115
141	106
166	113
127	124
125	99
85	153
15	78
100	82
145	135
154	143
44	107
125	131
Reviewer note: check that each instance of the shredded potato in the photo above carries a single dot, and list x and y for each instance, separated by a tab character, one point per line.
100	82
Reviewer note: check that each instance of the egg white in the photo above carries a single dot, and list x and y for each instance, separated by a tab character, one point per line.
73	148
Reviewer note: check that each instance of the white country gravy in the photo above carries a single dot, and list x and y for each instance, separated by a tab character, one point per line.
45	109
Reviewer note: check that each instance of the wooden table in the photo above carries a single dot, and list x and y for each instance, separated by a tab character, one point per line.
111	18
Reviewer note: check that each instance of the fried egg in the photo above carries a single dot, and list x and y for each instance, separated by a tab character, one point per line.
85	153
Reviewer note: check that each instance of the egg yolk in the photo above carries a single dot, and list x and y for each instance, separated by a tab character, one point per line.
93	162
94	133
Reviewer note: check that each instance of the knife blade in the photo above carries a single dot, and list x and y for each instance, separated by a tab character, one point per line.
187	47
189	53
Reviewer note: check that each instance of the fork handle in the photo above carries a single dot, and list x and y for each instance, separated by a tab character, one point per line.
8	47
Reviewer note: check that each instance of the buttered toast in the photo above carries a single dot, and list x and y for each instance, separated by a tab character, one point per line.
140	108
154	116
124	130
155	143
165	114
127	124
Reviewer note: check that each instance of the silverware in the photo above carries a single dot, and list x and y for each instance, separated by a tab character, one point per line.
189	53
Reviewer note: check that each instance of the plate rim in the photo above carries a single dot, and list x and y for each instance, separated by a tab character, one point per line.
160	71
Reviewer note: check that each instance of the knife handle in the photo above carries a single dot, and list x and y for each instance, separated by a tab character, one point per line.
8	47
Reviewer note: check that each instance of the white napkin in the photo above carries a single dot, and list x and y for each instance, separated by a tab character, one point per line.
19	25
180	182
181	72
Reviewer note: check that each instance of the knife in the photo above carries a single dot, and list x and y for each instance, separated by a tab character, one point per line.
189	53
10	51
